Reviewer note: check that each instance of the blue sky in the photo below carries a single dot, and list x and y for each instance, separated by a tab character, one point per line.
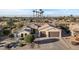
47	12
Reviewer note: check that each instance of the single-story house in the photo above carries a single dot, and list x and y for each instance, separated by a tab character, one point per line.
49	31
22	32
74	28
26	30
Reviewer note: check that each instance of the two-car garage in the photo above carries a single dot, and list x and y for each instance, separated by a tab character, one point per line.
50	34
49	31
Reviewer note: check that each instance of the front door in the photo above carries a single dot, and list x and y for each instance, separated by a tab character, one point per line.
42	34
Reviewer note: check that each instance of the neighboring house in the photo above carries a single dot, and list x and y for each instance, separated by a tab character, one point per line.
67	23
26	30
77	20
49	31
74	28
22	32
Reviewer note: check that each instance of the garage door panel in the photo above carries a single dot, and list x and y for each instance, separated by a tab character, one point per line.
53	34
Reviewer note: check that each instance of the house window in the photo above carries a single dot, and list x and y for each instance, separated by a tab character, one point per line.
21	35
42	34
25	34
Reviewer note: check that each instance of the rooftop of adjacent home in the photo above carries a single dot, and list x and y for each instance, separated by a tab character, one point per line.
48	27
34	26
24	29
74	26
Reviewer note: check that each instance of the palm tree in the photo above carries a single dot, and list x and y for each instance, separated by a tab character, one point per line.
33	12
40	9
71	17
36	13
41	12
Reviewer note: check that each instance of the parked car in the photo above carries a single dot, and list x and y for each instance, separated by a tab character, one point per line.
11	45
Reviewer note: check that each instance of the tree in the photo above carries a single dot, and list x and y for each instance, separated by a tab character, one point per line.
71	15
41	12
29	38
10	23
6	32
33	12
11	35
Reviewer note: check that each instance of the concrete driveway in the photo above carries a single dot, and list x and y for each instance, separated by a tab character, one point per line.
50	44
47	44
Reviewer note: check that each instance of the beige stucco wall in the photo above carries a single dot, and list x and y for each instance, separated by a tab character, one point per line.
47	33
73	27
23	32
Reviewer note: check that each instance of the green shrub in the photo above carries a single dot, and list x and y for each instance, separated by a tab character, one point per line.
1	33
29	38
21	44
11	35
21	38
6	32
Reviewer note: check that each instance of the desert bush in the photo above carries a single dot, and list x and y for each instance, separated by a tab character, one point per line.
29	38
6	32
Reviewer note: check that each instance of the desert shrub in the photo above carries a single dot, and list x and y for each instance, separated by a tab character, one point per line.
29	38
22	38
6	32
21	44
11	35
